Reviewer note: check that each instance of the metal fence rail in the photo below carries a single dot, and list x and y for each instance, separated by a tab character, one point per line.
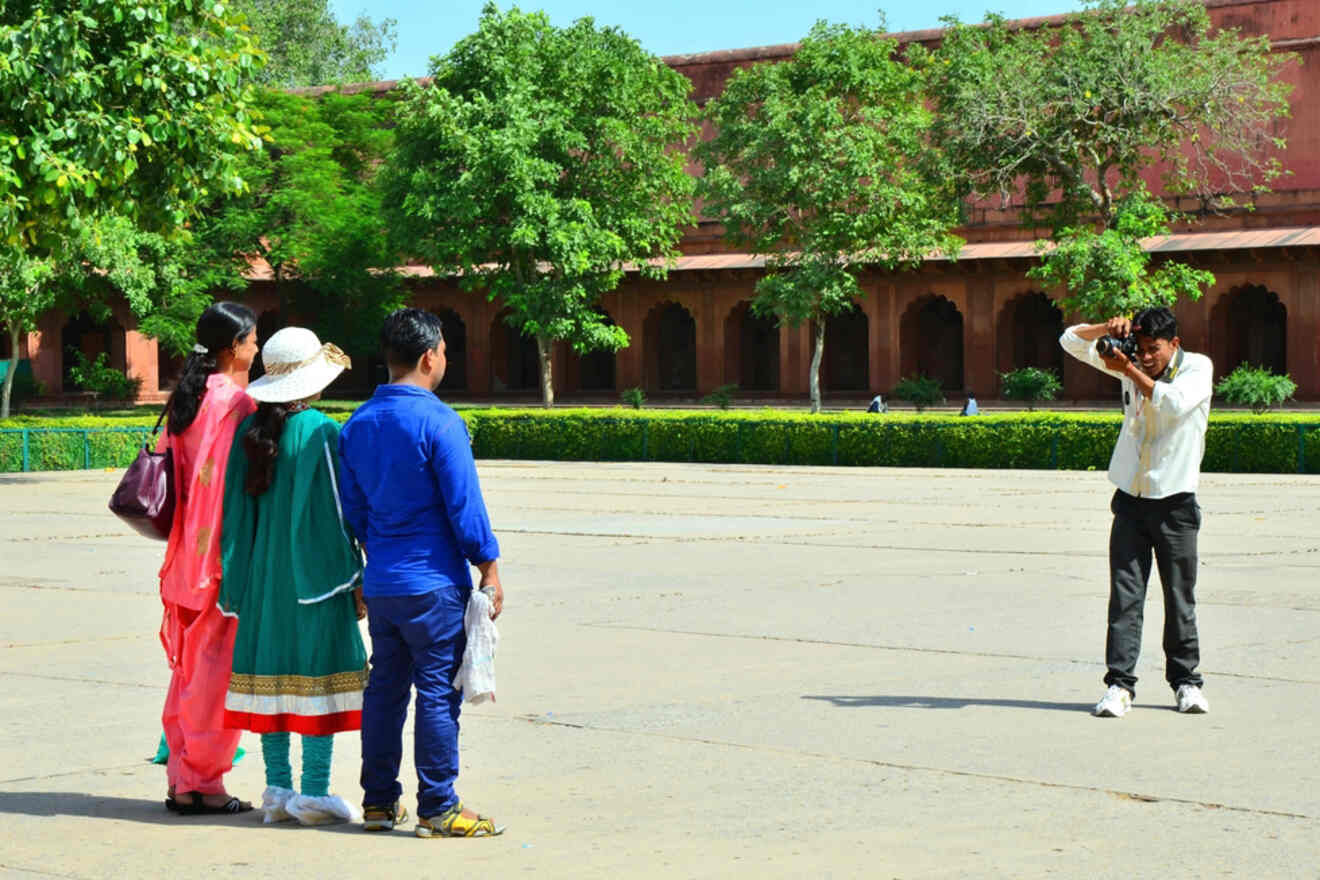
85	436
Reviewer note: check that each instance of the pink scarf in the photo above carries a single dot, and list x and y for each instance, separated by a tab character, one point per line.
190	576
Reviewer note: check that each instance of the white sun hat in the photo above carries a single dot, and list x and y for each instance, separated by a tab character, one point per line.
297	366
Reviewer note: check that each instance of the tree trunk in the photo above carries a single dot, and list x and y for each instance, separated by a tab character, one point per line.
544	346
817	354
13	369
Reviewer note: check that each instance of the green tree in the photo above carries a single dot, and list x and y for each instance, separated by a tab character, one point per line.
105	260
306	45
159	277
312	212
110	108
540	164
25	294
1070	121
823	163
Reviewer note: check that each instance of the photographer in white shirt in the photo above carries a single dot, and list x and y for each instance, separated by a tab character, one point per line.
1156	465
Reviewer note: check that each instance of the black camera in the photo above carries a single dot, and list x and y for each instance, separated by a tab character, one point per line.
1107	345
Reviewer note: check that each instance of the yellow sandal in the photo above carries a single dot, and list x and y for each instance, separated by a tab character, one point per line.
452	823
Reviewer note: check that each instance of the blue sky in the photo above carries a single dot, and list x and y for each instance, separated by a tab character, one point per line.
673	27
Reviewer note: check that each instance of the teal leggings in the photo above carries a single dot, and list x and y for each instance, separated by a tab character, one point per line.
316	753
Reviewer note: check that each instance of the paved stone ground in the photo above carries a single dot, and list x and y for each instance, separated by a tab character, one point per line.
715	671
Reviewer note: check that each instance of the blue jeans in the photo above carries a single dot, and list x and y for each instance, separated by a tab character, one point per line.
415	641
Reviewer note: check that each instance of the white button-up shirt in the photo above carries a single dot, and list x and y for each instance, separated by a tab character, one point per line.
1159	450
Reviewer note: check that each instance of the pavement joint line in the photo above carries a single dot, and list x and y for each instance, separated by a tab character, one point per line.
913	649
845	517
1293	608
144	763
74	678
597	511
1070	554
1236	646
79	641
38	871
922	768
56	538
59	588
796	541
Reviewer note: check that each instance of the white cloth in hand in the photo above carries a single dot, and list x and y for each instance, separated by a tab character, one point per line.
476	676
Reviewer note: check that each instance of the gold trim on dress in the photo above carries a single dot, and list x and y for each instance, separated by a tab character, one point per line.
298	685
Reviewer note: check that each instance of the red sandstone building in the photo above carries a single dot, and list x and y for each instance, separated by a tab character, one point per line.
963	322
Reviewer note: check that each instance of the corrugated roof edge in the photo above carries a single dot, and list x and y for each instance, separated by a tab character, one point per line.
1294	236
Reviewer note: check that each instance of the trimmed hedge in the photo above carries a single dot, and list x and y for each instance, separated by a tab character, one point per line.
1083	441
1235	442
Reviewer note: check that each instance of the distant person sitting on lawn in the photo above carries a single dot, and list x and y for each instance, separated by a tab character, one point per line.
409	489
970	408
878	405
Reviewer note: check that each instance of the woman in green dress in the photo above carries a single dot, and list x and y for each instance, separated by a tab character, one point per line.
292	577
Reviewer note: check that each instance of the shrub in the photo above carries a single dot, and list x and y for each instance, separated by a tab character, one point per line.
921	391
634	397
721	396
1030	384
1255	387
105	380
1235	442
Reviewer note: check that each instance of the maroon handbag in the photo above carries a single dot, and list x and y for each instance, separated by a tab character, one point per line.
144	497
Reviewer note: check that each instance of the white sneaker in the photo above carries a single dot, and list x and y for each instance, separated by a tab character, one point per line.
1191	700
1114	704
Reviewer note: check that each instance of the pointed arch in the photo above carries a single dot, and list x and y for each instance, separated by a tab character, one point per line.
595	370
84	335
514	364
1250	327
670	335
751	349
846	365
454	330
931	341
1029	327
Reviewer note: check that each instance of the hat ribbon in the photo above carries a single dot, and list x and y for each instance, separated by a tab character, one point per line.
331	352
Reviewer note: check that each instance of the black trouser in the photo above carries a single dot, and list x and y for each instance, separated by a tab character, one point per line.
1168	526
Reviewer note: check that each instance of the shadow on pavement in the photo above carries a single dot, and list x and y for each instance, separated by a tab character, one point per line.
912	702
76	803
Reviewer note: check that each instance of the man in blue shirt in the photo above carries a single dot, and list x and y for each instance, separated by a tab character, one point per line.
409	490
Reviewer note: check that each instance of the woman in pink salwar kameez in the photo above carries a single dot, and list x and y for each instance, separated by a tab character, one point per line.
204	411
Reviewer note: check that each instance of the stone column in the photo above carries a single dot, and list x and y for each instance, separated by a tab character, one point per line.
876	305
1303	315
629	315
709	360
795	348
141	362
478	346
979	338
44	352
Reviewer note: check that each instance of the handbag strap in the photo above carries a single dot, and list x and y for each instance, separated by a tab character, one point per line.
156	430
